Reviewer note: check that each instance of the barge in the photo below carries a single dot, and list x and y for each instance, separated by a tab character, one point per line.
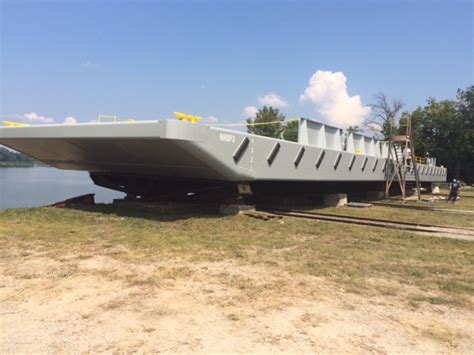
172	159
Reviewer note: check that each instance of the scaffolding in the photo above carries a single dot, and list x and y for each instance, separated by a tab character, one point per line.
402	161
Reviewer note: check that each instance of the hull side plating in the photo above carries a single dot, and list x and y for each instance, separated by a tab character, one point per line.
172	150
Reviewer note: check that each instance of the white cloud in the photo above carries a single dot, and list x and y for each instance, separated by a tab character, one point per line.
328	91
211	119
70	120
35	118
89	64
273	100
374	127
249	112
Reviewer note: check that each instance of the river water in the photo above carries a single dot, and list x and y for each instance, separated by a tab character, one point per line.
39	186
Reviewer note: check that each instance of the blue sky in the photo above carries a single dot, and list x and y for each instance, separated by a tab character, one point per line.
146	59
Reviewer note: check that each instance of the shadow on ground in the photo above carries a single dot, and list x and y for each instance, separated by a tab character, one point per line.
163	212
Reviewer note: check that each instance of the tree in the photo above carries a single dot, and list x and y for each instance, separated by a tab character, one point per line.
266	115
8	156
290	132
385	112
444	129
353	129
465	108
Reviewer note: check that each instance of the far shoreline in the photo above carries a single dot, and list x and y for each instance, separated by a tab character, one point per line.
19	165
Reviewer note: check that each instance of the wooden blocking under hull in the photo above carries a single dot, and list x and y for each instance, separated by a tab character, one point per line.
335	200
234	209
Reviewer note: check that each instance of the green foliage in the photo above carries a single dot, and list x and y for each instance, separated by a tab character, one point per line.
445	130
8	156
291	131
264	115
287	131
465	107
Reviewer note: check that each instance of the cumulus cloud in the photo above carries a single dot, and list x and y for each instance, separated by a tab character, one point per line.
35	118
70	120
328	92
374	127
250	112
273	100
211	119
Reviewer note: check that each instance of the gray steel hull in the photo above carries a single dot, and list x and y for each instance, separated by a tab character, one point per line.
172	148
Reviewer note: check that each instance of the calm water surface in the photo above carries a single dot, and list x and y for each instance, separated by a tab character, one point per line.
38	186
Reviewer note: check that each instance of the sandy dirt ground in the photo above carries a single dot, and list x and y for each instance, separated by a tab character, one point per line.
104	303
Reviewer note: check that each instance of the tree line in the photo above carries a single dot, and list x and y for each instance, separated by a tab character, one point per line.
445	130
8	156
442	129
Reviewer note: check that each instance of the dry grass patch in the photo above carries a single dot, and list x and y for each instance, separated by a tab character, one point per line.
159	276
348	256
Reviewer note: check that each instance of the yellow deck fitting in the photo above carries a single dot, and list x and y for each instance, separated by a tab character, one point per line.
15	124
185	117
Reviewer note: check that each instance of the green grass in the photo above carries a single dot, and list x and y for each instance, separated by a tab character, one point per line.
462	204
414	216
350	256
407	215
